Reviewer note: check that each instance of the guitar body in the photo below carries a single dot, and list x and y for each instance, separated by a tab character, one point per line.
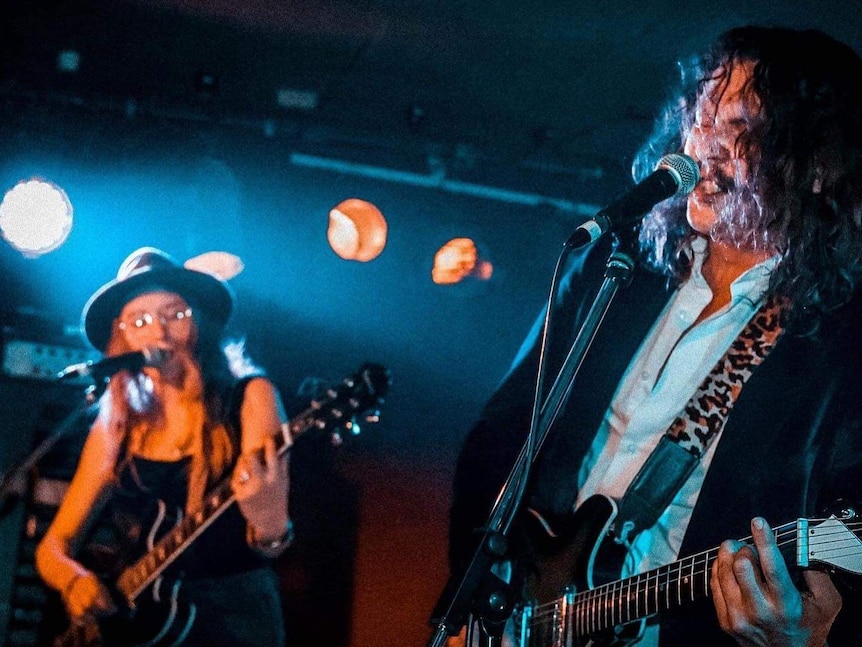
159	619
570	560
583	559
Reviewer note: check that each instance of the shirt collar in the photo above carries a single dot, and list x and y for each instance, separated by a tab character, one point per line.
751	284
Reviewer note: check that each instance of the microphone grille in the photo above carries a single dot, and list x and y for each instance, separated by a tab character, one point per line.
683	169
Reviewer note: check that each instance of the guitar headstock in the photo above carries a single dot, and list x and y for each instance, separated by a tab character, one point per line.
835	543
346	406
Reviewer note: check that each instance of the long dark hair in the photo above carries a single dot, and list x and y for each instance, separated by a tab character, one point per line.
803	200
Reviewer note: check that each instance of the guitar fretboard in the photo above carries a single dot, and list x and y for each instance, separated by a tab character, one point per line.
669	587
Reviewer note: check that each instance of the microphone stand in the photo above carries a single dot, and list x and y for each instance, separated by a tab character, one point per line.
479	592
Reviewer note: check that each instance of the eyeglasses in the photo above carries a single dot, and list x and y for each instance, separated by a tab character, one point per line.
138	321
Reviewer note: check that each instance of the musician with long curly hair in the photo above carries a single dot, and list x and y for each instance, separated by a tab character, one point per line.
720	396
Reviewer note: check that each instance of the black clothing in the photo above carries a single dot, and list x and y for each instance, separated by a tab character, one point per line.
145	486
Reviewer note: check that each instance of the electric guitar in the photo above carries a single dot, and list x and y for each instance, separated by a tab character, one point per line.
614	613
161	618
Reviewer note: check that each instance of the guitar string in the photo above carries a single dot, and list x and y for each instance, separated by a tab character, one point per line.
590	610
591	618
693	565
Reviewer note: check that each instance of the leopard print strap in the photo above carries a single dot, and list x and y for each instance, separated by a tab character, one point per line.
704	416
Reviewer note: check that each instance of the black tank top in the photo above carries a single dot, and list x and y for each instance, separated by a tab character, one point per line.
151	497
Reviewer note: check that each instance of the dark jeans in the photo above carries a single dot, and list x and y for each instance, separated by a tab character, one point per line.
236	610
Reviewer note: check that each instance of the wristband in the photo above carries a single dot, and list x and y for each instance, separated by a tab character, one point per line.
271	546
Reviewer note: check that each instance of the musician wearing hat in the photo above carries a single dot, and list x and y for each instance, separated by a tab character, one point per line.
197	419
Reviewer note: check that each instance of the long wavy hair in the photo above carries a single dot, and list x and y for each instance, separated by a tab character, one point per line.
803	196
222	361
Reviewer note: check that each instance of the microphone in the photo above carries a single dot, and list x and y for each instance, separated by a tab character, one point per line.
674	174
105	368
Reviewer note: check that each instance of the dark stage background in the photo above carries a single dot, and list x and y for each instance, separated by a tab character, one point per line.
508	124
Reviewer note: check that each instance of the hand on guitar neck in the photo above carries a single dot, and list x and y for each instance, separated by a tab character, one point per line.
755	598
757	602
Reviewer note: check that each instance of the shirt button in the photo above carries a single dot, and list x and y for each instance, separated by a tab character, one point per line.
684	317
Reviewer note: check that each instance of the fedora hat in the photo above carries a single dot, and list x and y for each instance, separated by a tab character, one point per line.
148	269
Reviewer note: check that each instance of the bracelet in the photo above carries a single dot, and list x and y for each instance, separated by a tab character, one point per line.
271	546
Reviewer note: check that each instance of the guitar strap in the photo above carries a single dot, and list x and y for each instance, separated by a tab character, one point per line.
691	433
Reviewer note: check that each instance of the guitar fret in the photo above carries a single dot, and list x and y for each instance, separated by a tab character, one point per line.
689	580
682	582
639	595
652	593
629	599
582	624
672	584
694	580
566	636
706	569
588	618
605	602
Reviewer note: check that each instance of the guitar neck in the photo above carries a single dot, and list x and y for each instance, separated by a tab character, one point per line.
834	543
606	606
643	595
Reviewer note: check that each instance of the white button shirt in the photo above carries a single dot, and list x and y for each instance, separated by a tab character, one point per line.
665	372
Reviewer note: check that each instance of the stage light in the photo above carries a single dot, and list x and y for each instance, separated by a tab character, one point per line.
357	230
459	259
35	217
